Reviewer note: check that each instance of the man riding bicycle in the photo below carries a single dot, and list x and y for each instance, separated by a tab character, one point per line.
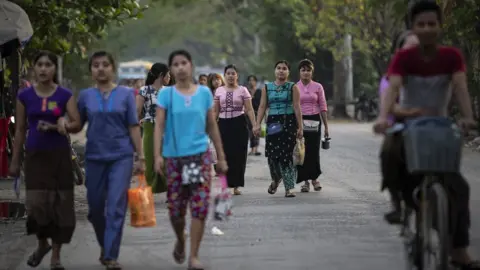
428	74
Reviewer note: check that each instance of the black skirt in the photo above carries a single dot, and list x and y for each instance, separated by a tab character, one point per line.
49	183
310	170
234	133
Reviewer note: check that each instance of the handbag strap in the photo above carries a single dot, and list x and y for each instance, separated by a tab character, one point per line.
171	119
286	102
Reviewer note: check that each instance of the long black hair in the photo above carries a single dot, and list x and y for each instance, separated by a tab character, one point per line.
53	58
157	70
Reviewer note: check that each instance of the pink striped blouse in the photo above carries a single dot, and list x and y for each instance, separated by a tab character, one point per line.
231	102
312	98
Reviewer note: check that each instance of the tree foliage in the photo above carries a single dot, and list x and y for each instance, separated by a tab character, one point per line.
71	26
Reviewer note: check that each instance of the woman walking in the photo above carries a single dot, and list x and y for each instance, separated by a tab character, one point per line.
157	77
185	148
232	102
314	109
256	96
215	81
404	40
113	136
284	125
49	176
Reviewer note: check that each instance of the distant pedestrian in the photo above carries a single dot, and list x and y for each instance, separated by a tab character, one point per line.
256	97
146	101
202	79
214	81
233	104
284	125
314	112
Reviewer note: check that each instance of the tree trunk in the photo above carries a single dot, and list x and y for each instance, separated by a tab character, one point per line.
340	109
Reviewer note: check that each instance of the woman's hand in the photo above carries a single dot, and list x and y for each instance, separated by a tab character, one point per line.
325	133
222	166
256	130
62	126
14	169
300	133
45	126
139	166
159	164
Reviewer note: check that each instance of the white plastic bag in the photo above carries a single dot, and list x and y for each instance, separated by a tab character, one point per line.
299	152
223	201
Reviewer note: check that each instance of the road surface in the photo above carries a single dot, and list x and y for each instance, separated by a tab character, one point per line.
340	227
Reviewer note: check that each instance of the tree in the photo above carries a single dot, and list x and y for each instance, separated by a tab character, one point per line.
69	26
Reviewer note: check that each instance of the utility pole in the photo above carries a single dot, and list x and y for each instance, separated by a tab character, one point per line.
348	64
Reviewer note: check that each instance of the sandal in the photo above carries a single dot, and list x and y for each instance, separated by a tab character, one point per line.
101	259
37	256
113	265
57	266
316	185
194	267
290	194
473	265
178	256
272	189
305	188
237	192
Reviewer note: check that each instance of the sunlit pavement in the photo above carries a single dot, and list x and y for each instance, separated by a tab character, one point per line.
340	227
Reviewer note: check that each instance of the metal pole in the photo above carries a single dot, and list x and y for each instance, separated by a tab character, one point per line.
60	70
348	64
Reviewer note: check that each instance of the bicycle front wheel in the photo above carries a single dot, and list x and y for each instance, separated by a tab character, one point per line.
435	229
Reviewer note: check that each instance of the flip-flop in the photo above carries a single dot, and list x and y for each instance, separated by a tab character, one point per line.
101	259
37	256
191	267
113	265
57	266
179	257
316	185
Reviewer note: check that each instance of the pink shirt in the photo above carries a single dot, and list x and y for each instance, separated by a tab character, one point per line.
231	102
312	98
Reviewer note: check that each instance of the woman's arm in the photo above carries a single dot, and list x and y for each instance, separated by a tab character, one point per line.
133	127
20	129
216	108
140	101
158	132
214	134
322	103
249	110
296	106
74	124
263	106
248	107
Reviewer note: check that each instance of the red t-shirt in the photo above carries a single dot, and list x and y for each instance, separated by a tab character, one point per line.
427	82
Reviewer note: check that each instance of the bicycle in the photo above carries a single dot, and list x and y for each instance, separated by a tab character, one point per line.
79	173
433	149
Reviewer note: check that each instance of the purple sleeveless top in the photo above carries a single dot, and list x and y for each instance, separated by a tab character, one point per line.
47	109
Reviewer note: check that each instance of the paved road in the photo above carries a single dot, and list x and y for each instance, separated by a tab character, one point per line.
340	227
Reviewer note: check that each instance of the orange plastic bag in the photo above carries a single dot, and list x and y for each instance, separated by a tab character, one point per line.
141	204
